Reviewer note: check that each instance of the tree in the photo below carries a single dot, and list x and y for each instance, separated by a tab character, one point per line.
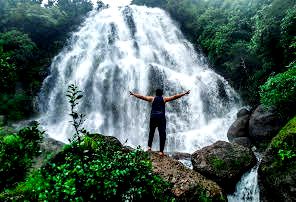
7	73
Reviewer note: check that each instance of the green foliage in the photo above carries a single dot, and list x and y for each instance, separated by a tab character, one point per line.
107	174
19	46
286	154
7	72
30	35
284	144
74	95
15	107
280	91
16	154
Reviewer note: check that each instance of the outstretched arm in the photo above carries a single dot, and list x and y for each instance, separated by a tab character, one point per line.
174	97
142	97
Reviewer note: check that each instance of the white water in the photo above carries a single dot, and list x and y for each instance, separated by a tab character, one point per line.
140	49
247	189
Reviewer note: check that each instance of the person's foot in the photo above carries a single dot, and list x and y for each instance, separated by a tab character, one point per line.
161	154
148	149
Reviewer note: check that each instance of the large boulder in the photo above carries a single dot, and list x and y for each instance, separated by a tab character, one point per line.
277	171
264	124
243	112
224	163
240	128
187	184
244	141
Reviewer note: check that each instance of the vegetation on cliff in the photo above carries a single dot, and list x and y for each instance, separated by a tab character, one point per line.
277	170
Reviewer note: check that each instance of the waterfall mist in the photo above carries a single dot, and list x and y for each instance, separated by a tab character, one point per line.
139	49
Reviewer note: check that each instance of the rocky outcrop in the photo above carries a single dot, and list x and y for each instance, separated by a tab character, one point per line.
264	124
277	171
223	163
48	147
239	130
187	184
243	112
179	155
244	141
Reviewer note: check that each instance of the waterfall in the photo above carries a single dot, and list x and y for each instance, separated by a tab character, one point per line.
247	189
139	49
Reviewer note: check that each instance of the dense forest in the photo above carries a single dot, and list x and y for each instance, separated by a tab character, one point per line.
30	36
250	43
245	41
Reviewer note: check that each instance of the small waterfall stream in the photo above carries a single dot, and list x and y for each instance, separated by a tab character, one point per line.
247	189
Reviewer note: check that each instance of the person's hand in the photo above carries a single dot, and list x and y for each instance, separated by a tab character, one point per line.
187	93
131	93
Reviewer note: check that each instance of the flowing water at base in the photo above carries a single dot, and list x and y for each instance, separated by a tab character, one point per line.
247	189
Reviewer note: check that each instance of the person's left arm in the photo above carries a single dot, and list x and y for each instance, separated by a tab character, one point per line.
142	97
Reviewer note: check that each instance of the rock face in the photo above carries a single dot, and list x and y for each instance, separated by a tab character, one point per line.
48	146
240	128
244	141
277	171
243	112
187	184
264	124
223	163
179	155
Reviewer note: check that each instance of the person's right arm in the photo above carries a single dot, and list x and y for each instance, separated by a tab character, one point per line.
174	97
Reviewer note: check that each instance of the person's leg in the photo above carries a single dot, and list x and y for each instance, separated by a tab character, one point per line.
162	135
152	127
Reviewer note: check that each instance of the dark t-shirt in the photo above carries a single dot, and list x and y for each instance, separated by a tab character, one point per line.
158	108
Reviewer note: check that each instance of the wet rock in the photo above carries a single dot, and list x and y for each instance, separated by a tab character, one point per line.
243	112
179	155
240	128
113	140
277	171
264	124
244	141
187	184
223	163
48	147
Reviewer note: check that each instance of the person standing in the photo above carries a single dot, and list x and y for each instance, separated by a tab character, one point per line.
157	115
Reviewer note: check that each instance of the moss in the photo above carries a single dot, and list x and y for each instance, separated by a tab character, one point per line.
217	163
284	144
277	166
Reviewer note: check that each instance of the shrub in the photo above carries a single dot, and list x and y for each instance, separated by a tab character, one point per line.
15	107
107	173
280	91
284	144
16	154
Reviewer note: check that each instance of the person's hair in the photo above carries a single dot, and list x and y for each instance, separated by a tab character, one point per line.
159	92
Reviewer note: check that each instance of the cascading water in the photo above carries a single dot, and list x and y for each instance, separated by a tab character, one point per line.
247	189
140	49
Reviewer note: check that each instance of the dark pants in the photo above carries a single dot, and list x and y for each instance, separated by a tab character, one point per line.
159	123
